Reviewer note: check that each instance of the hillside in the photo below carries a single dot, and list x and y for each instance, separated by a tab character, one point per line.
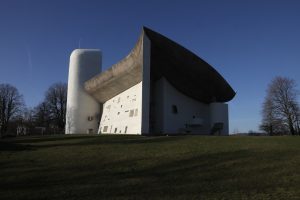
136	167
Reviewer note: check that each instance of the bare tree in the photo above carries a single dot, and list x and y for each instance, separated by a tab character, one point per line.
272	123
42	115
296	115
280	108
11	104
56	101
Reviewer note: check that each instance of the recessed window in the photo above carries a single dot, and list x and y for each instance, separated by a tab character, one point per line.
131	113
136	112
116	129
174	109
118	113
126	129
105	128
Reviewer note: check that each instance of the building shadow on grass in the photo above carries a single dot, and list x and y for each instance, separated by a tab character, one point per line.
202	176
10	146
218	175
33	143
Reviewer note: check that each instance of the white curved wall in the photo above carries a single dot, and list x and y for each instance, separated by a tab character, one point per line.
188	111
83	111
191	115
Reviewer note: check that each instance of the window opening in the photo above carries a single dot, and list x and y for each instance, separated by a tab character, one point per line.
105	128
131	113
174	109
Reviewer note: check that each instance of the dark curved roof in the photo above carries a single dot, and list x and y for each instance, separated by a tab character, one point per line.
186	71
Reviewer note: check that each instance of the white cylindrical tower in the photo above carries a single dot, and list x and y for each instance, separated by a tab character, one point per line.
82	109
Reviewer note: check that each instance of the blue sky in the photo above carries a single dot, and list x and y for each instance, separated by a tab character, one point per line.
248	42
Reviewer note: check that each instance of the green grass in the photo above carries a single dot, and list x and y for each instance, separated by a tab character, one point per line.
136	167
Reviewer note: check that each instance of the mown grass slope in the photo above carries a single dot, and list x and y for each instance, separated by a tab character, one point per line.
136	167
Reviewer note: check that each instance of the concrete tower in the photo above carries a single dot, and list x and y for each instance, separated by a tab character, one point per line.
83	111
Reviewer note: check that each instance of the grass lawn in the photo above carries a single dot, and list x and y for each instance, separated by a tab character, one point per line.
136	167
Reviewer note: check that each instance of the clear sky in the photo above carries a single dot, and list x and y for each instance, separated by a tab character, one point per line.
248	41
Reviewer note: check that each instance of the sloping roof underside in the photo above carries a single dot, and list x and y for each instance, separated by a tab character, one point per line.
119	77
183	69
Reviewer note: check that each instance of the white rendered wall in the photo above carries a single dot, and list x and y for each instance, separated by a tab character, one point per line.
123	110
82	109
189	111
219	114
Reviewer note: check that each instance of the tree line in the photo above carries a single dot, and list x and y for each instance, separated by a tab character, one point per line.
47	117
280	110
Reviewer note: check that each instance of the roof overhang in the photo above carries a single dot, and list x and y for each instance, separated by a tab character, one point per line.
119	77
183	69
